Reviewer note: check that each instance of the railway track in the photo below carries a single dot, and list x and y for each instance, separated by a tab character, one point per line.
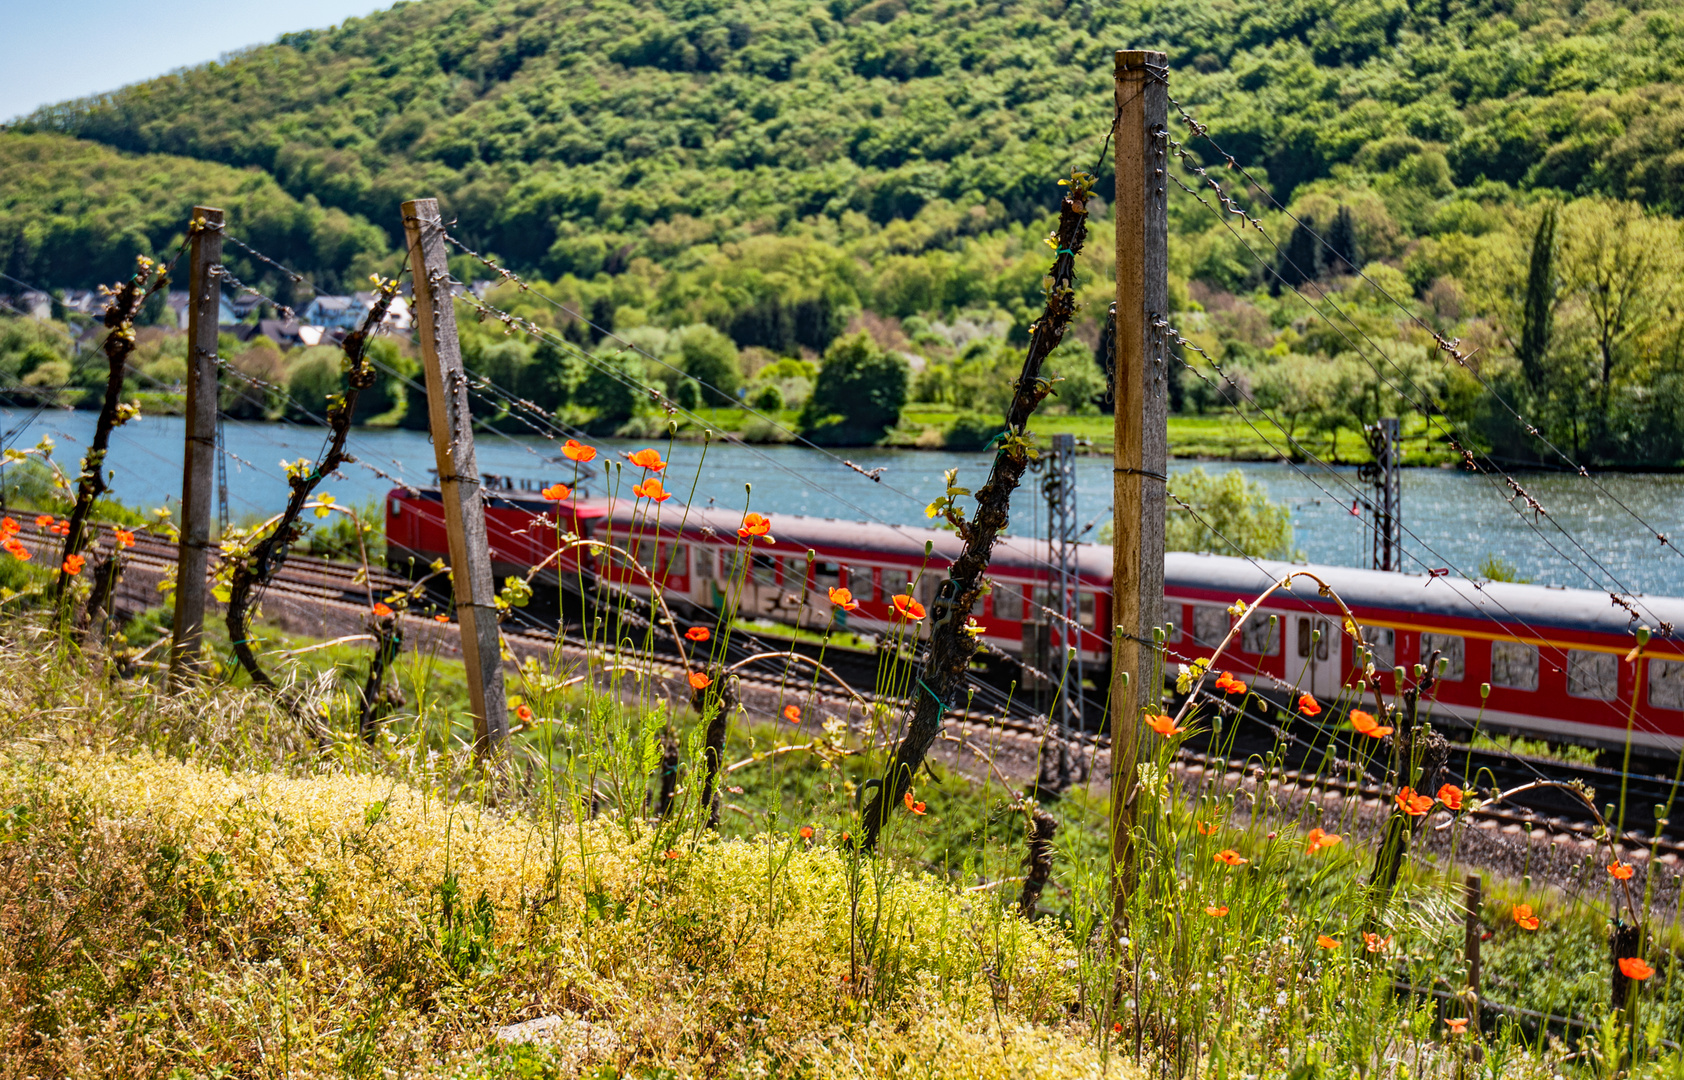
1262	749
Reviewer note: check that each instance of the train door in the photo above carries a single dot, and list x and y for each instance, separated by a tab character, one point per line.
1312	655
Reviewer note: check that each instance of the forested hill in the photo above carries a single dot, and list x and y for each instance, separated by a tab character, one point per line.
572	136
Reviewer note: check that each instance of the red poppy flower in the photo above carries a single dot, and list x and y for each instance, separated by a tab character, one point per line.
1327	942
699	681
1412	804
16	550
1524	918
698	633
908	608
523	712
73	564
672	853
1230	857
441	618
1216	912
1633	967
574	450
1451	796
844	599
915	807
648	459
1228	684
792	714
1163	725
1621	871
1376	943
1308	705
1319	839
1365	724
44	521
124	538
9	526
1117	1027
652	490
557	492
806	832
756	525
381	611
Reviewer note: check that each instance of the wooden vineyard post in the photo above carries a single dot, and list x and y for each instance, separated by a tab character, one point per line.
451	424
204	297
1141	394
1474	928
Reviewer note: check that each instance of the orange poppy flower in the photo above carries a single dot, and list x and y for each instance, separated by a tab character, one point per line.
124	538
44	521
557	492
1412	804
1524	918
1319	839
441	618
648	459
1230	857
1621	871
1163	725
756	525
9	526
1308	705
1327	942
1206	828
1458	1025
1376	943
652	490
907	607
672	853
844	599
1216	912
15	549
698	681
574	450
1451	796
73	564
915	807
381	611
792	714
806	832
523	712
1229	684
698	633
1117	1027
1365	724
1633	967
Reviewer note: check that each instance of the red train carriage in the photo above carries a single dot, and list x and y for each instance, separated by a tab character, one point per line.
1554	659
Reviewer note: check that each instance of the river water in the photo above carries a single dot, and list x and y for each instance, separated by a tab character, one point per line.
1453	518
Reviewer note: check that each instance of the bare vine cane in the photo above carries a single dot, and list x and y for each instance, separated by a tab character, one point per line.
255	566
119	344
951	648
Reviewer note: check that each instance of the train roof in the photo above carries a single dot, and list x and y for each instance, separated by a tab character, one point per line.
1453	597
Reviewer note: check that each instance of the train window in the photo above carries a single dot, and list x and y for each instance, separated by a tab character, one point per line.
1210	625
1382	645
765	570
1452	649
826	576
1261	634
1666	684
704	562
1592	675
677	558
861	585
1514	664
1008	601
1307	632
1172	627
928	585
1085	603
795	573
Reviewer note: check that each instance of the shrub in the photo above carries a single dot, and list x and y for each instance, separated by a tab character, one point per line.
972	431
859	393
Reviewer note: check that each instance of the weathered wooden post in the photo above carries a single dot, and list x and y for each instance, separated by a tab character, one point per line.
204	298
450	422
1473	930
1142	397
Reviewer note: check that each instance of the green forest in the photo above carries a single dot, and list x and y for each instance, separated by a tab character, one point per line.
788	177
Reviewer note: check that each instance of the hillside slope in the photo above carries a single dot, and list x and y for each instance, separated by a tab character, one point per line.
571	135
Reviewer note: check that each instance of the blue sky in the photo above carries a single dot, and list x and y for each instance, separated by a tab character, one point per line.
55	51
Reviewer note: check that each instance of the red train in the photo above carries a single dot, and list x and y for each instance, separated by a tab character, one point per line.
1555	660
